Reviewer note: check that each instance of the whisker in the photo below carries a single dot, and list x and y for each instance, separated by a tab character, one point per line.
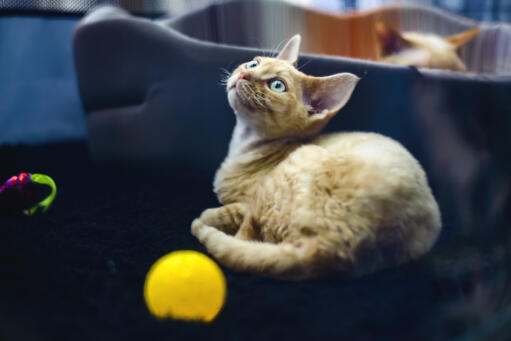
304	65
276	50
259	99
226	77
263	52
225	71
253	97
223	81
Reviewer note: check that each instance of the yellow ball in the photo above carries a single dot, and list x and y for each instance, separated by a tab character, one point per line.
185	285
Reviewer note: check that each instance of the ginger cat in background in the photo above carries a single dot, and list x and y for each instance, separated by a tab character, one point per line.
422	49
301	205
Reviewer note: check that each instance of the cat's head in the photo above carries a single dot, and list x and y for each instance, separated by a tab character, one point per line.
422	49
276	99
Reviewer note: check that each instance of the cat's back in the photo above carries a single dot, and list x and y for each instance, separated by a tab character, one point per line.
361	165
373	148
350	184
370	158
376	164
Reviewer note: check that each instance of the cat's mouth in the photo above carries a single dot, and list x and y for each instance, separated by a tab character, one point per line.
234	84
240	94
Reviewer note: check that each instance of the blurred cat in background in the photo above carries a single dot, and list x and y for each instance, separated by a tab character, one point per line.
419	49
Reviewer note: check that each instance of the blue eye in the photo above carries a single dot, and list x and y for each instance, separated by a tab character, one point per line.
277	85
251	65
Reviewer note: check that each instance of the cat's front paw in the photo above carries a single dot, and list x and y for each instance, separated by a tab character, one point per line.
196	227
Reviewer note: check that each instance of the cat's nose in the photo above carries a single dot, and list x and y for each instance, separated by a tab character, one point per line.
244	75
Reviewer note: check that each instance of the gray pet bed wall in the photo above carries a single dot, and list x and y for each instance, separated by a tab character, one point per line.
151	88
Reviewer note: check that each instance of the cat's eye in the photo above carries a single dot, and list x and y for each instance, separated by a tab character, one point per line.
252	64
277	85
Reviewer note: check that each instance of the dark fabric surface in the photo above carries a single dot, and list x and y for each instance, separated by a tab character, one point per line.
77	272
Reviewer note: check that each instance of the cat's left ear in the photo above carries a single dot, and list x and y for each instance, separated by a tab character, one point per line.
460	39
290	52
324	96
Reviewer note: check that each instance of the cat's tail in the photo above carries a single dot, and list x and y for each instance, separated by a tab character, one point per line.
283	260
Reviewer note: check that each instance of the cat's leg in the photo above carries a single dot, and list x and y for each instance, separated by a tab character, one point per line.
283	260
227	218
247	230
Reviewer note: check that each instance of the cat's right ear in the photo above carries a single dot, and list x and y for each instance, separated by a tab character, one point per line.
389	39
324	96
290	52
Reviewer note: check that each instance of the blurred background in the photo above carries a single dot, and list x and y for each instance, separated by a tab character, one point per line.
40	100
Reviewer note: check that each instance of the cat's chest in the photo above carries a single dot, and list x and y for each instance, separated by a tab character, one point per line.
240	174
235	182
290	195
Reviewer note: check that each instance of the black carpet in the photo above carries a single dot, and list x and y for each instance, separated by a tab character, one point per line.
77	272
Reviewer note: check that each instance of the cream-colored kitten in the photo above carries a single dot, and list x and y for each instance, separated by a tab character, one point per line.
298	205
422	49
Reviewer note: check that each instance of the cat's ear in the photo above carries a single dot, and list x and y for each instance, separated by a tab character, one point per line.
324	96
389	39
290	52
460	39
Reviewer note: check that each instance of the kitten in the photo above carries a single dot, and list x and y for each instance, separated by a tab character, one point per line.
301	205
422	49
